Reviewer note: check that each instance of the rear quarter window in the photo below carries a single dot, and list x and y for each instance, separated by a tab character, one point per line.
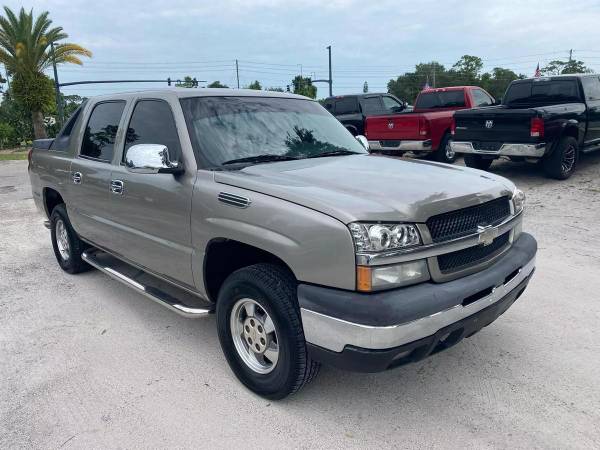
347	105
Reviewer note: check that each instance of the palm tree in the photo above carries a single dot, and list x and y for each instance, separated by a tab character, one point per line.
25	52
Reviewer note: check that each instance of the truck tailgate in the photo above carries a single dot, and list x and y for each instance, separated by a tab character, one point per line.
393	127
493	125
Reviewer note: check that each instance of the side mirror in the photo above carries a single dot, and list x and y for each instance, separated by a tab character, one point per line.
398	109
363	140
498	101
151	158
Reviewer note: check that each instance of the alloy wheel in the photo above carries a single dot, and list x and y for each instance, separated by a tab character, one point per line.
568	159
62	240
254	335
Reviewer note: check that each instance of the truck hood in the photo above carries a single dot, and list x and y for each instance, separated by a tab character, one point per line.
370	187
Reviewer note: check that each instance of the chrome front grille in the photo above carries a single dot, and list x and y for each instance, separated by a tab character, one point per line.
462	222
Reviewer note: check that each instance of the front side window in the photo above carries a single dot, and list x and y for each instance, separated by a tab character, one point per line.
101	130
441	99
227	129
152	122
481	98
391	104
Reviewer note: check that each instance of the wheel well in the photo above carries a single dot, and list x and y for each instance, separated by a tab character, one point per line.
51	199
571	131
225	256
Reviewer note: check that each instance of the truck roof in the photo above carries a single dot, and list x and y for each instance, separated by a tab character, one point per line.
202	92
558	77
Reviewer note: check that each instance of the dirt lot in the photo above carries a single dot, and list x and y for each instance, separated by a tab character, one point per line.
85	362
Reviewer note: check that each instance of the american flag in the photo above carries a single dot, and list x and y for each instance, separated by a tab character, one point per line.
537	71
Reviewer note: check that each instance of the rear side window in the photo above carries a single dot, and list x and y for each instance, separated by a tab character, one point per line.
442	99
371	105
101	130
542	92
152	122
347	105
61	143
591	87
481	98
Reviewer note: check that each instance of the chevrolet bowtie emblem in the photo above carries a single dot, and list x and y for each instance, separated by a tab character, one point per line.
487	234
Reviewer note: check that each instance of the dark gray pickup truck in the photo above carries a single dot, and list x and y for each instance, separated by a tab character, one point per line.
548	119
262	208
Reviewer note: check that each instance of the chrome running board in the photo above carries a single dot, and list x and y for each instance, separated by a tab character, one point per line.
178	300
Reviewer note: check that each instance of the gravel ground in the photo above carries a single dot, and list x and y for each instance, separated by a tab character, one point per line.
85	362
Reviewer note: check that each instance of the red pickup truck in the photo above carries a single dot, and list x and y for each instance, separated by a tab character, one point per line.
427	128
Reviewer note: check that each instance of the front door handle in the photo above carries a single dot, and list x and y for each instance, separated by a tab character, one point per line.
77	178
116	187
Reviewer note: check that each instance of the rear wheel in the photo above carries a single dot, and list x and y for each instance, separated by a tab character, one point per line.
478	161
445	153
561	163
260	331
65	242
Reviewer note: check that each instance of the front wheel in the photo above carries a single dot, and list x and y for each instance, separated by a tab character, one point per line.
478	162
260	331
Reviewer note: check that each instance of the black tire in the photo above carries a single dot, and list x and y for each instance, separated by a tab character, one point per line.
561	163
444	153
478	162
273	289
68	256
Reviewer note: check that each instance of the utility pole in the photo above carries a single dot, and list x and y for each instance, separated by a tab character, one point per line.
434	75
330	80
237	73
59	105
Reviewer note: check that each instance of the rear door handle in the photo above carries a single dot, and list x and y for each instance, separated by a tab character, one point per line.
77	178
116	187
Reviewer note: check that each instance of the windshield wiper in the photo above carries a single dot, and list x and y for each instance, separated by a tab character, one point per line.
334	153
259	159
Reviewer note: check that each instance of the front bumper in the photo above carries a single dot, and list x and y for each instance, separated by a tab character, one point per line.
401	146
372	332
506	149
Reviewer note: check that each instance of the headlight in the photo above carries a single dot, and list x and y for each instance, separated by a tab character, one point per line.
376	237
374	278
518	200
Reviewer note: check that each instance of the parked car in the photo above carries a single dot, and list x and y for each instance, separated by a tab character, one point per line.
426	131
551	120
353	110
260	207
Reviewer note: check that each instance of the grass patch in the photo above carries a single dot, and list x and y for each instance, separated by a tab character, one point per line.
13	156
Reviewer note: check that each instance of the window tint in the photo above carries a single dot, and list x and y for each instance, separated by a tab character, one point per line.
441	99
481	98
101	130
389	103
542	91
371	105
591	87
152	122
347	105
61	143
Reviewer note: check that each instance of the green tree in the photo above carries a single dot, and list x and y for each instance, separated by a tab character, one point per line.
217	84
304	86
6	134
254	85
275	89
188	82
25	52
408	86
468	68
497	81
14	114
558	67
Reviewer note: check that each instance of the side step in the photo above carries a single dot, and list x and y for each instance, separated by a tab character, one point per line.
176	299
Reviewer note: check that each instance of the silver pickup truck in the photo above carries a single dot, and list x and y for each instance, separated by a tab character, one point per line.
262	208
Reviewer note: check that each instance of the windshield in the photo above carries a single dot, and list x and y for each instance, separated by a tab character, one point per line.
542	92
262	129
441	99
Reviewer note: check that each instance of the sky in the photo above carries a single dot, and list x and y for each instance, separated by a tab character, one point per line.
275	40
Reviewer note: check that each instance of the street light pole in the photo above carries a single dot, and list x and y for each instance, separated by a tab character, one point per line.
330	80
59	105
